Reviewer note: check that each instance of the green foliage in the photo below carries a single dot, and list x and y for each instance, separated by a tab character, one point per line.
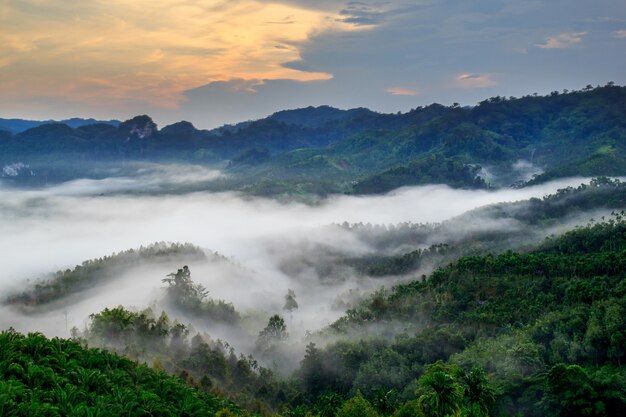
275	331
225	413
533	216
434	169
169	347
441	394
191	298
480	395
317	151
575	391
328	403
357	406
55	377
554	132
98	271
533	333
408	409
515	315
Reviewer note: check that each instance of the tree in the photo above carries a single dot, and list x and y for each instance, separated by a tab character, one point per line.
408	409
443	395
357	406
275	331
574	391
480	396
290	301
328	403
313	372
182	289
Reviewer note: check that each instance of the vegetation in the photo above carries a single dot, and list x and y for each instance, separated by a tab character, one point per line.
533	218
434	169
522	317
56	377
185	295
172	346
317	151
534	333
98	271
275	331
554	133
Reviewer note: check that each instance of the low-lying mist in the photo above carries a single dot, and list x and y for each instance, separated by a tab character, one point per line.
55	228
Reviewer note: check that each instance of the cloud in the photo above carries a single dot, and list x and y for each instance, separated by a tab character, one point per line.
61	226
361	14
151	51
563	41
474	80
119	58
619	34
398	91
365	14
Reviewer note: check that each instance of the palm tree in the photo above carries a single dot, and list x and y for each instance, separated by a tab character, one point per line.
443	395
479	393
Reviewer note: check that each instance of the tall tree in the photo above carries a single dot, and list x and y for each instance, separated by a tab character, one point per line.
443	395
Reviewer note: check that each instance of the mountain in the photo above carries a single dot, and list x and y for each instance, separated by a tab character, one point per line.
538	332
579	133
321	150
20	125
316	117
546	326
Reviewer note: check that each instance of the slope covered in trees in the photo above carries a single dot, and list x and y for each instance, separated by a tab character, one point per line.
96	272
535	333
489	229
324	150
547	326
538	331
56	377
554	133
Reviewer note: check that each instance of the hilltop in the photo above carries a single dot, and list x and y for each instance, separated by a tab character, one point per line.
321	150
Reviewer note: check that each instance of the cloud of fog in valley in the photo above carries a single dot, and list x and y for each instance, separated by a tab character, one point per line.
55	228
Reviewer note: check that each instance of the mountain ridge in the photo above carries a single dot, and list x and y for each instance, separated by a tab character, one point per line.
323	150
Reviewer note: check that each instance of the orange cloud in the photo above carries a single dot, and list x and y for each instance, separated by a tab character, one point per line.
150	51
474	81
398	91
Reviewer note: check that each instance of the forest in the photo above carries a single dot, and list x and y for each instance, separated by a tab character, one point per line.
298	208
501	323
316	151
447	261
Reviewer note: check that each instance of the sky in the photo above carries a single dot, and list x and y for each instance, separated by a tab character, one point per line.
213	62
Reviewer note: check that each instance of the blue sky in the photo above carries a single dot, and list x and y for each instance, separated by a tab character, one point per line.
213	62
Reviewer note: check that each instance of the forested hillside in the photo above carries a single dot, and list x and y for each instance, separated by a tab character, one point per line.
93	273
55	377
532	333
547	326
291	208
499	142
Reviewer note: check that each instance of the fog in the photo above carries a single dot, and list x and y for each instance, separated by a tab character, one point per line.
55	228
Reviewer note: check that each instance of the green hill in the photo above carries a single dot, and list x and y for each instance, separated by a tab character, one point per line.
547	326
532	333
56	377
325	150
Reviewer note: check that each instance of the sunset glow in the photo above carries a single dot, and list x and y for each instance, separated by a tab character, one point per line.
222	61
150	51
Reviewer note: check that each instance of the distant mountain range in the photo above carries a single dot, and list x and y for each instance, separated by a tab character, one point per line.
320	150
20	125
